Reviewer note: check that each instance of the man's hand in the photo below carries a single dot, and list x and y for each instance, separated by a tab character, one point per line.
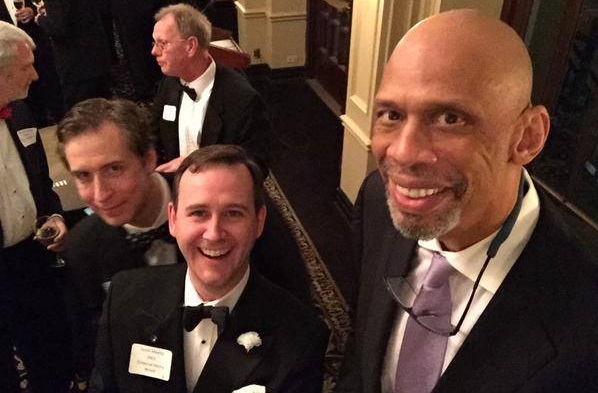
59	243
41	12
170	166
24	15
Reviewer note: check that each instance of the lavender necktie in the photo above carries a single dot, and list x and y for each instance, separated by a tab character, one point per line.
422	351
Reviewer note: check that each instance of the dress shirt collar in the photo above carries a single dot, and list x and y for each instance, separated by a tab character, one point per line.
163	216
470	260
229	300
204	81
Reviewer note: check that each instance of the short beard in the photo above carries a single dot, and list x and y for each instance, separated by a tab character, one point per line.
410	227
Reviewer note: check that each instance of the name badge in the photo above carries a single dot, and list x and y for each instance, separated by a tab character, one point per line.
169	112
27	136
151	362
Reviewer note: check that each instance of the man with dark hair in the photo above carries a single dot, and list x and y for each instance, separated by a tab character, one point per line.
107	146
214	324
32	314
199	102
472	280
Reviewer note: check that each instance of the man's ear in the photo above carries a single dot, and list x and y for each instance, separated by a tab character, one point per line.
261	219
150	160
192	46
171	219
531	135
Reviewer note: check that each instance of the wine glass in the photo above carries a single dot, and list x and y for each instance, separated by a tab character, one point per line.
45	231
19	4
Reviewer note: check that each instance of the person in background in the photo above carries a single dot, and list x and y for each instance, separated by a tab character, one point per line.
107	146
45	95
81	48
472	280
198	102
31	303
213	324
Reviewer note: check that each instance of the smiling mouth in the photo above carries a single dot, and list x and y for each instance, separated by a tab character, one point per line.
214	253
417	193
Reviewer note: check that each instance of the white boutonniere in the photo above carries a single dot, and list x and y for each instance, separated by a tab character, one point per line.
251	389
249	340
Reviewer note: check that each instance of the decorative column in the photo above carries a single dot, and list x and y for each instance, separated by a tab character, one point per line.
273	31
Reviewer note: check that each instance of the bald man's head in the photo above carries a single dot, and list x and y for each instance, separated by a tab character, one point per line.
454	126
478	47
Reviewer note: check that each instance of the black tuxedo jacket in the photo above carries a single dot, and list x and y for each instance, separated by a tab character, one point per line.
235	115
96	252
80	43
34	161
539	333
145	304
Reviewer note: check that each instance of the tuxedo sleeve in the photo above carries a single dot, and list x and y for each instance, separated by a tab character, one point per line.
256	131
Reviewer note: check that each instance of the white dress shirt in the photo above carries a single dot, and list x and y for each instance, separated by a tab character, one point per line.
199	342
17	207
160	252
193	113
468	264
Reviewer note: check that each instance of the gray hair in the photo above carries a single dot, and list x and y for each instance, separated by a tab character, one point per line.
189	21
10	35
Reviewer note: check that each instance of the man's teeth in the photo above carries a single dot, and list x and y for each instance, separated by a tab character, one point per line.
418	192
214	253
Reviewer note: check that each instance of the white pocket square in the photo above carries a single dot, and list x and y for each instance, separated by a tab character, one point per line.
251	389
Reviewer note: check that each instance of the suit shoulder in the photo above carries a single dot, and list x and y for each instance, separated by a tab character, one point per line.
227	78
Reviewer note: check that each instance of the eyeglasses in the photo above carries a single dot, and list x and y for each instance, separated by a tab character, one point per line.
164	44
405	295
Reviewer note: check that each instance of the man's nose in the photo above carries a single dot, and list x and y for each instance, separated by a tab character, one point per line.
213	229
412	144
102	190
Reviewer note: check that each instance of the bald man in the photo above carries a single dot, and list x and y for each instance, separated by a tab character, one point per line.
452	205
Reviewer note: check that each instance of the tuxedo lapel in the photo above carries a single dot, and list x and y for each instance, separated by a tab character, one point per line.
160	325
511	340
395	260
212	124
229	364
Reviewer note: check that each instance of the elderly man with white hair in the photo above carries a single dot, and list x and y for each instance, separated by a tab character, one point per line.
33	316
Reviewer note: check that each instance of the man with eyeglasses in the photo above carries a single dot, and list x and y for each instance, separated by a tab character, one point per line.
471	281
199	102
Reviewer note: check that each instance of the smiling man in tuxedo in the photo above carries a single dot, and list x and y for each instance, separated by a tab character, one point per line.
252	332
472	280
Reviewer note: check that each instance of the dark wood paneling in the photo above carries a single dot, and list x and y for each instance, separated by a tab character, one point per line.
329	36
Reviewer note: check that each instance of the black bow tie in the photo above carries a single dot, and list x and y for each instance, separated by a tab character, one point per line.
190	91
142	241
192	316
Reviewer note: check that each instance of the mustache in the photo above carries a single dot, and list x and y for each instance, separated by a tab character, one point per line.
389	168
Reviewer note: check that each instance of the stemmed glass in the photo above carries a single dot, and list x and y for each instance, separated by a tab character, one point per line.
19	4
46	230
